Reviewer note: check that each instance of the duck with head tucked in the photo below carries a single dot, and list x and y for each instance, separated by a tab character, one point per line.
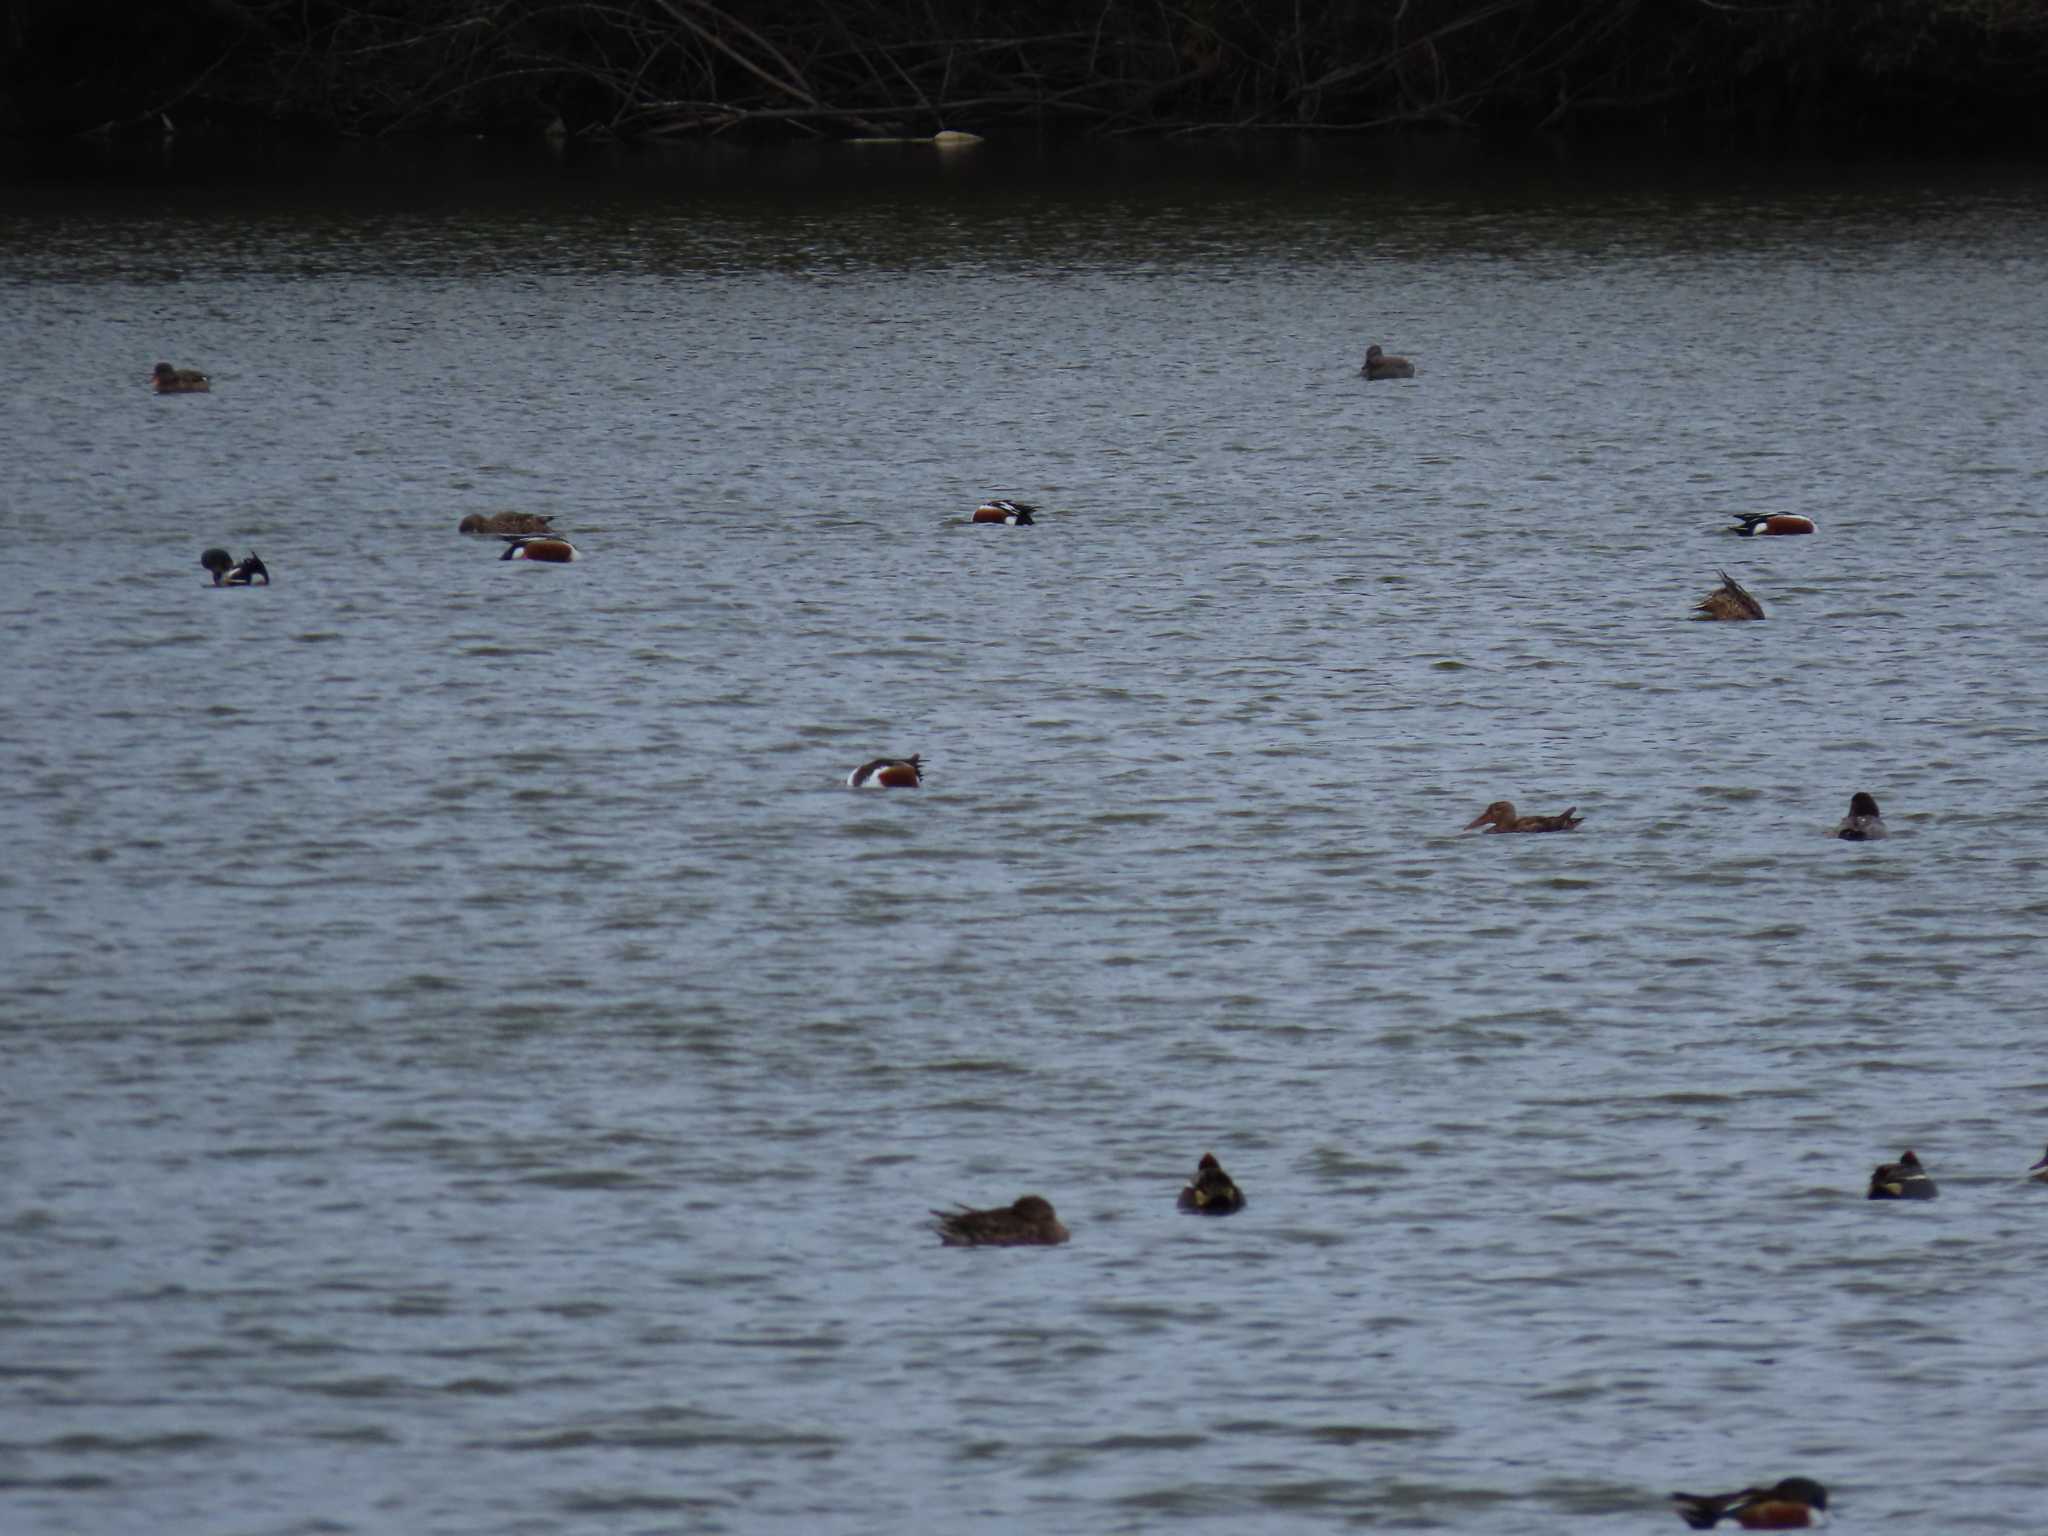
1380	365
1903	1180
1012	513
1500	817
1753	524
550	548
1211	1192
167	380
1731	600
1863	824
1792	1504
229	572
1027	1222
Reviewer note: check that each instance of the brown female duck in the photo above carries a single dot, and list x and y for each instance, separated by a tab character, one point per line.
1379	365
1500	817
1028	1221
1212	1192
178	381
502	523
1730	601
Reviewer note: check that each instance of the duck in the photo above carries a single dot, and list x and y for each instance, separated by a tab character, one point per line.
2040	1170
1730	601
1792	1504
1753	523
230	572
1010	512
1500	817
1903	1180
1212	1192
1028	1221
551	547
179	381
502	523
1378	365
888	773
1863	824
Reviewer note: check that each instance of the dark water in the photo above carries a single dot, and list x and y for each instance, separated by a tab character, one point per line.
472	1067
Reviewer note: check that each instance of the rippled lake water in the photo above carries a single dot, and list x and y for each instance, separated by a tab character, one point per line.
472	1067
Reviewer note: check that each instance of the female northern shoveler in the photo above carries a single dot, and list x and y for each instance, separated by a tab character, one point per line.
230	572
2040	1169
179	381
1863	824
1011	512
1731	601
888	773
1770	522
502	523
551	547
1211	1191
1378	365
1500	817
1903	1180
1791	1505
1028	1221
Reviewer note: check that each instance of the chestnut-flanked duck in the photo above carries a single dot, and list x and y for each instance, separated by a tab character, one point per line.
888	773
1500	817
1731	600
1754	523
1010	512
551	547
1863	824
1028	1221
179	381
230	572
1211	1191
503	523
1903	1180
1791	1505
1380	365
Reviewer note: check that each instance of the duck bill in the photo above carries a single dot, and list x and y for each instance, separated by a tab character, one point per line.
1484	818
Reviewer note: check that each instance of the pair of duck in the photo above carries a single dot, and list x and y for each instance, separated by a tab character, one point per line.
1032	1222
527	536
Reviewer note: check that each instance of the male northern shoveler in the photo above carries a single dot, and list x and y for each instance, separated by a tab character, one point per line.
1028	1221
179	381
1730	601
1770	522
1500	817
230	572
502	523
551	547
1791	1505
1863	824
1011	512
1903	1180
1378	365
1211	1191
888	773
2040	1169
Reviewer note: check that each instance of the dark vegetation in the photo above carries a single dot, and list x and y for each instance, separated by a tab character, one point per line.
1911	73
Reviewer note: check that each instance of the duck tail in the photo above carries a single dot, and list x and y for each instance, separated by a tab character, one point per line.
1698	1510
